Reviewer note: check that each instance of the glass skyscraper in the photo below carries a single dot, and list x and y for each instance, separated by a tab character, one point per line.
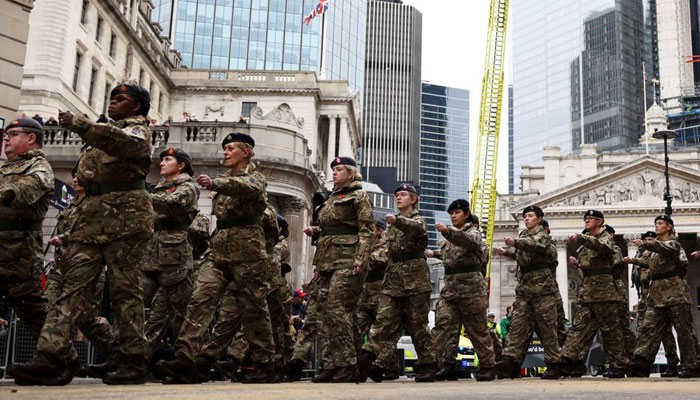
549	40
444	153
268	35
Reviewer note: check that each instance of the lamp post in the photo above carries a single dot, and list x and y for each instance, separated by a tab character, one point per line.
666	135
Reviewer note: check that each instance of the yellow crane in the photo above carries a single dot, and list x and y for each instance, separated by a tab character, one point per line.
483	199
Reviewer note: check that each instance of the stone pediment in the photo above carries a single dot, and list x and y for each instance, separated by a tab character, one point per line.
634	185
281	115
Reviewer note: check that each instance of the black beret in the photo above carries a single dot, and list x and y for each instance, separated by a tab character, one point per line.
649	234
459	204
406	187
593	213
664	218
380	223
475	219
238	137
610	229
181	156
282	221
286	268
544	223
136	91
538	211
343	161
74	171
26	124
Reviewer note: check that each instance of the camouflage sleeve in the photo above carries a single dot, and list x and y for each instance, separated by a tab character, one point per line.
471	240
642	262
538	242
251	187
183	200
61	222
378	260
365	222
438	252
411	227
270	227
666	248
603	244
129	142
510	253
33	186
682	258
282	249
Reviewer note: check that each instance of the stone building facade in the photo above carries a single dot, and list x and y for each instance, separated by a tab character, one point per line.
626	186
14	29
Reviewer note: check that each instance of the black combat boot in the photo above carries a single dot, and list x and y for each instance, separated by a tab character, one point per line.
425	373
294	369
364	362
347	374
132	371
504	368
578	369
566	366
638	367
515	373
263	373
100	370
203	365
228	368
616	373
486	374
552	372
376	373
671	372
447	373
43	366
689	373
325	376
390	375
180	370
60	374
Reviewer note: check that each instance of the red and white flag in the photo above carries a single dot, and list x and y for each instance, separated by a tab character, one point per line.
319	8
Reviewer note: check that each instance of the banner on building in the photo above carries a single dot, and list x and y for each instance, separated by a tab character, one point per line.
62	195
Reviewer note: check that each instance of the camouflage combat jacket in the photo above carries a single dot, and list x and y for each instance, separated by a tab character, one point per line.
376	269
114	153
346	225
407	273
235	197
26	185
462	249
282	252
198	234
619	275
484	258
666	260
175	204
272	237
595	258
531	253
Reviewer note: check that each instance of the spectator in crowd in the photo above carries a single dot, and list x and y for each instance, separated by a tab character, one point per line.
505	323
102	119
298	309
191	131
241	120
51	134
38	119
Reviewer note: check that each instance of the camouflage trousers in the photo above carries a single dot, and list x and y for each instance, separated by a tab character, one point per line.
248	291
629	340
96	329
667	338
589	318
394	313
168	293
562	331
531	314
309	331
20	279
337	314
364	319
124	259
656	321
467	312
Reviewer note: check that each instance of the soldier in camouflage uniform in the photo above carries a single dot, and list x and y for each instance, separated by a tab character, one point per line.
464	299
599	298
641	262
115	231
668	302
406	290
26	185
168	275
346	226
237	255
307	333
535	297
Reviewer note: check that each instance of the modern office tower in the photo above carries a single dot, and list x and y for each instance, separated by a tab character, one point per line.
391	120
674	27
549	39
444	153
511	167
268	35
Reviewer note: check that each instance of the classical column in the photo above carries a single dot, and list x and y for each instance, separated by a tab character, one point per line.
344	142
563	271
295	210
631	252
331	145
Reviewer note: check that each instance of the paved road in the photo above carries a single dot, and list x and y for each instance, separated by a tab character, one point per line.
527	388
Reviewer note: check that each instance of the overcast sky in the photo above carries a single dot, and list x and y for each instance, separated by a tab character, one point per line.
454	51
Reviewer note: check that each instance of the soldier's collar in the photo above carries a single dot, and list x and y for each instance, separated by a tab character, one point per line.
182	178
27	156
133	120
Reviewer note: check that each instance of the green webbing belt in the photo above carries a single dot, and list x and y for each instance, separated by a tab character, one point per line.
533	267
339	230
26	226
460	269
408	255
238	221
374	276
98	188
165	225
596	271
665	275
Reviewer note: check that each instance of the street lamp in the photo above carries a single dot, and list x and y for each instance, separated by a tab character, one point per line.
666	135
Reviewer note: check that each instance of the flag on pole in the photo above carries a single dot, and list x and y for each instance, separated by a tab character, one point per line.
319	8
